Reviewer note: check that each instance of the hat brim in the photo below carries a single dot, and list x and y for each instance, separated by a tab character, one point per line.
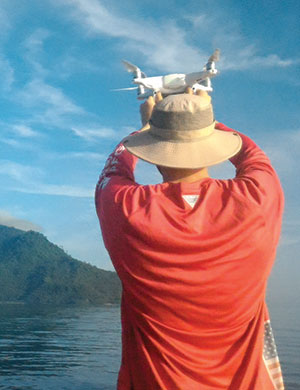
199	153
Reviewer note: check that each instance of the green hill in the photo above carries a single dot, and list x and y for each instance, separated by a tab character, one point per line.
33	270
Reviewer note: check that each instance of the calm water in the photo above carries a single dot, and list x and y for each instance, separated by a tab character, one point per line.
45	348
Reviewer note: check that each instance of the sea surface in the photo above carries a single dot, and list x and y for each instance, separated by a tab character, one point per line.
47	348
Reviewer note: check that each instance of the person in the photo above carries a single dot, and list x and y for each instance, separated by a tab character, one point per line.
193	253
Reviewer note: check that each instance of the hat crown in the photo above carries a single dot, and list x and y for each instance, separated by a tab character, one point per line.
182	113
182	134
183	102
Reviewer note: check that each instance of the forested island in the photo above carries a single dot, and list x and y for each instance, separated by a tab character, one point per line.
33	270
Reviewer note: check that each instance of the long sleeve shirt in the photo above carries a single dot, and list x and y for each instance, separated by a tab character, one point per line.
194	259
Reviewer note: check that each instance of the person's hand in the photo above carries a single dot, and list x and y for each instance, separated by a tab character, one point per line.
146	109
199	92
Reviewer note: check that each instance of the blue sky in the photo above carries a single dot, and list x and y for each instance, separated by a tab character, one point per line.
59	120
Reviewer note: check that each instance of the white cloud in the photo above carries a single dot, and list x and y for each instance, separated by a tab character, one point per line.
88	156
143	36
85	156
38	93
45	103
57	190
34	43
34	50
12	142
24	131
247	58
19	172
50	105
18	138
176	53
7	219
28	179
62	66
18	134
99	19
90	134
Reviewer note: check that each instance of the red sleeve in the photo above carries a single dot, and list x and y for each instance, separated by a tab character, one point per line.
250	158
120	164
117	194
118	171
256	179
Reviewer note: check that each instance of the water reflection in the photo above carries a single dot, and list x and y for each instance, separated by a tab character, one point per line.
66	348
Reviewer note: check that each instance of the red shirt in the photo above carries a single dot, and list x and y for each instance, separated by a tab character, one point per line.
194	272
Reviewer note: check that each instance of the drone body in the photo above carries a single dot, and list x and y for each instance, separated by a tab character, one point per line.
173	83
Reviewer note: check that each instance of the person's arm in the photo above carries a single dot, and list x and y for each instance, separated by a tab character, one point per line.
255	179
117	194
250	157
117	172
116	181
120	164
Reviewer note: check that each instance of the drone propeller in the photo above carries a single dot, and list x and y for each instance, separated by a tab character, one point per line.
210	65
125	89
133	69
215	56
129	67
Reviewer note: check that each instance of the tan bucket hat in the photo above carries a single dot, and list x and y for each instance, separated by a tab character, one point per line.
182	134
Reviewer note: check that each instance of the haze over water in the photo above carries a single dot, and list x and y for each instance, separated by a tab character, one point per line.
79	348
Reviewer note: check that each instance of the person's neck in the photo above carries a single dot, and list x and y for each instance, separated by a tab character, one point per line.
183	175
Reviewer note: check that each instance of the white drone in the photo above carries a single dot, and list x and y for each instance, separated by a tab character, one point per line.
172	83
